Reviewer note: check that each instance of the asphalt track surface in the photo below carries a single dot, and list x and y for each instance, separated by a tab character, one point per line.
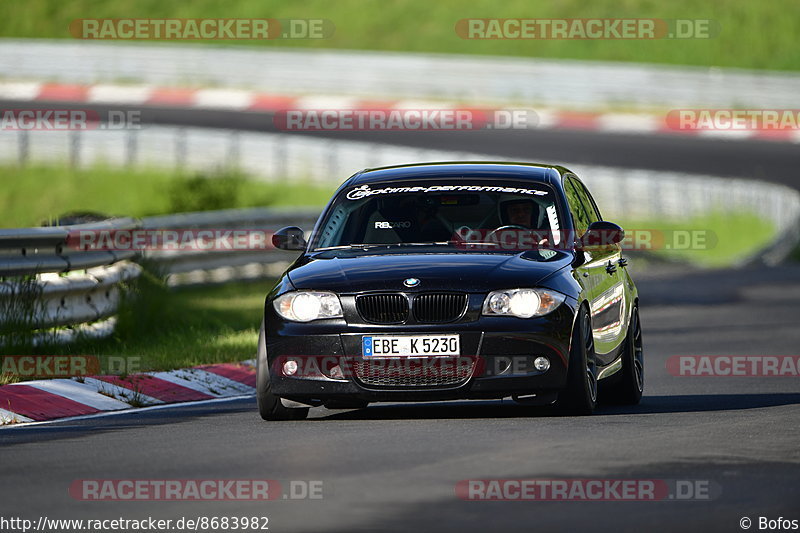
395	466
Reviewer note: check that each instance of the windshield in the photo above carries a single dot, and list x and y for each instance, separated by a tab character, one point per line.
440	213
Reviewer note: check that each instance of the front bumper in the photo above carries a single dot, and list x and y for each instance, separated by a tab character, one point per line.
496	360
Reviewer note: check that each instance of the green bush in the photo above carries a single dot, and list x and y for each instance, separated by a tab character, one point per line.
206	193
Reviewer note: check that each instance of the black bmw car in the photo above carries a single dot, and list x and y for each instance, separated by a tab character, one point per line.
449	281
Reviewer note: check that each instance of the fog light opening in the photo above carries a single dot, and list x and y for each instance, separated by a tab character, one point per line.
290	368
336	372
542	364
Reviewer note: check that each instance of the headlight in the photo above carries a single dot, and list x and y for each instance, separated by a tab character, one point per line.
305	306
521	303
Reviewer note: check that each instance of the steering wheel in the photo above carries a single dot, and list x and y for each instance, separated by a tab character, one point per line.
501	228
464	232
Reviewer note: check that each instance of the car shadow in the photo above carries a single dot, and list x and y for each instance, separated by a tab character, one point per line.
686	403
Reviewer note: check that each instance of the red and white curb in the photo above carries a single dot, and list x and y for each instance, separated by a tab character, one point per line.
244	100
36	401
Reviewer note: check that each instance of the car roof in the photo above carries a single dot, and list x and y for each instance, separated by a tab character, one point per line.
464	169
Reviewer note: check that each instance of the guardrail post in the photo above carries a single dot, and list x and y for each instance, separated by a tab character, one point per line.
332	162
232	163
180	149
279	158
375	155
74	148
131	147
23	143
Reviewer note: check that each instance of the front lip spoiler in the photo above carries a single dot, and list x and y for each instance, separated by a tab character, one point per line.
541	399
316	392
291	404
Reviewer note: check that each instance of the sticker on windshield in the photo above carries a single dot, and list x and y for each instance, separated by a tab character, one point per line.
364	191
552	216
392	224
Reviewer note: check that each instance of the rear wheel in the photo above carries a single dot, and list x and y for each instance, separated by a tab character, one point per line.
627	388
579	397
269	405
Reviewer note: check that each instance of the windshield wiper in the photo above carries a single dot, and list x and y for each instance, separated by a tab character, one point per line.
340	247
366	246
470	243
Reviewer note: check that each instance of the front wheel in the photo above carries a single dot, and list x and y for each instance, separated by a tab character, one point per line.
579	397
269	405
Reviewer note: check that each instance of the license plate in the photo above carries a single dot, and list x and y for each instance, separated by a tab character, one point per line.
410	345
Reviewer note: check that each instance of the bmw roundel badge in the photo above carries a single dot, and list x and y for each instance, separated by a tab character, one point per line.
411	282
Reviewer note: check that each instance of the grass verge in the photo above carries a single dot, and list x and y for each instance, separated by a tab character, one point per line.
713	240
32	195
758	35
164	329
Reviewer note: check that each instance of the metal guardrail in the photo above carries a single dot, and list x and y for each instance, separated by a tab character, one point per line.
488	79
47	282
43	250
192	265
79	298
630	194
58	292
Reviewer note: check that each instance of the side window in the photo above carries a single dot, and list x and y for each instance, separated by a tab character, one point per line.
576	206
589	206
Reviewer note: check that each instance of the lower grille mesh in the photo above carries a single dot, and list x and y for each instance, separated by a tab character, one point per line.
417	372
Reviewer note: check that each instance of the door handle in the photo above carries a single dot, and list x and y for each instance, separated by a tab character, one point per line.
611	267
622	262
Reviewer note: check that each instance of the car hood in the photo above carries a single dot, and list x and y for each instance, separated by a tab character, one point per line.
473	272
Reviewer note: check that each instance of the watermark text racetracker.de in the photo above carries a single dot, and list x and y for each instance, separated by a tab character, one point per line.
44	119
734	366
195	490
67	366
204	28
643	239
733	119
406	119
586	28
598	489
508	239
171	240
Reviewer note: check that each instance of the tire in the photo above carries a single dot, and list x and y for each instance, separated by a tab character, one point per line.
269	405
579	397
628	387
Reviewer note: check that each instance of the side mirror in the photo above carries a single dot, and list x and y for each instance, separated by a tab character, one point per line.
602	233
289	238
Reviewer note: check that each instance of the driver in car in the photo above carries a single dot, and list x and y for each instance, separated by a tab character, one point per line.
524	214
520	213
